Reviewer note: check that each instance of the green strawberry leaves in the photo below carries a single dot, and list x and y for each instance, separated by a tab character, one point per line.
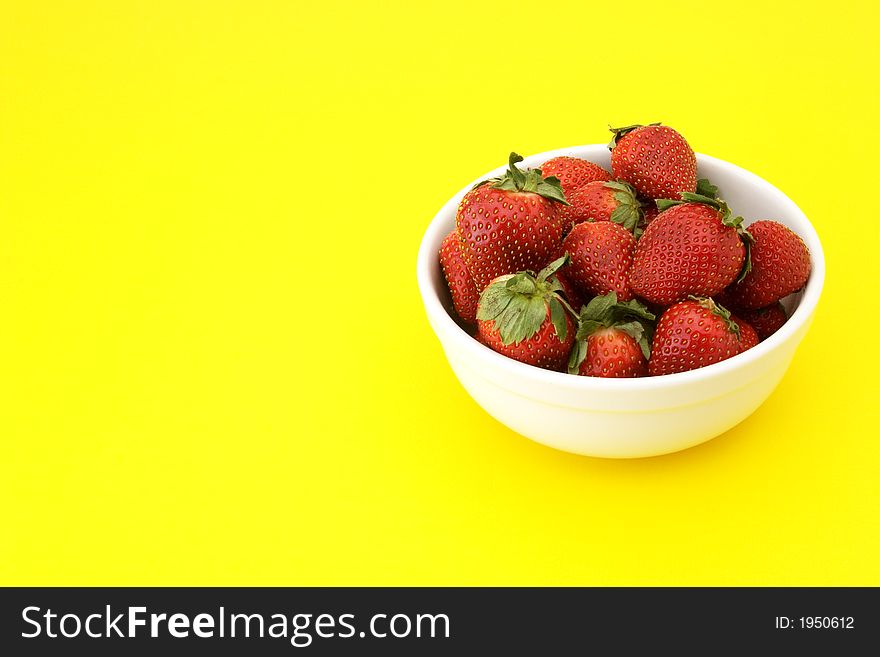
706	188
577	356
620	132
545	274
557	316
747	262
689	197
525	315
634	309
530	180
598	310
607	310
638	332
666	203
522	283
747	239
602	312
518	304
495	299
645	343
628	212
516	315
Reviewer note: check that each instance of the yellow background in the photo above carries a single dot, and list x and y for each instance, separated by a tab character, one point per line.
214	363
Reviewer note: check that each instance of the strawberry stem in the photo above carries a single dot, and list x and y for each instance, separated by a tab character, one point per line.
530	181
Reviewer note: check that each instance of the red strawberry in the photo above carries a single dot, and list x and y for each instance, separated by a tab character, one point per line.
523	317
461	286
766	320
511	223
780	265
612	353
693	247
573	172
748	337
692	334
601	255
654	159
613	339
605	201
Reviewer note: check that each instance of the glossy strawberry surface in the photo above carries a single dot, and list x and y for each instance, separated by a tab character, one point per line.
656	160
611	353
605	201
573	172
686	250
601	255
504	232
462	288
780	266
690	335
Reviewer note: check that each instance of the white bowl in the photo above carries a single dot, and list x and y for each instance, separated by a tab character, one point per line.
626	418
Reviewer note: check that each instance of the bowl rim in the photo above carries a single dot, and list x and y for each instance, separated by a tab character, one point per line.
443	323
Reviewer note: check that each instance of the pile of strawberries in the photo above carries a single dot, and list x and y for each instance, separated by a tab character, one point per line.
640	271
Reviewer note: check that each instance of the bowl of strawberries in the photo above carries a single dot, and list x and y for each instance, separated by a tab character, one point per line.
620	301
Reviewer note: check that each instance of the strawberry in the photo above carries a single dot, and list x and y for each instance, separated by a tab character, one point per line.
766	320
573	172
692	334
605	201
780	265
748	337
654	159
601	255
612	339
510	223
613	354
523	317
461	286
693	247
